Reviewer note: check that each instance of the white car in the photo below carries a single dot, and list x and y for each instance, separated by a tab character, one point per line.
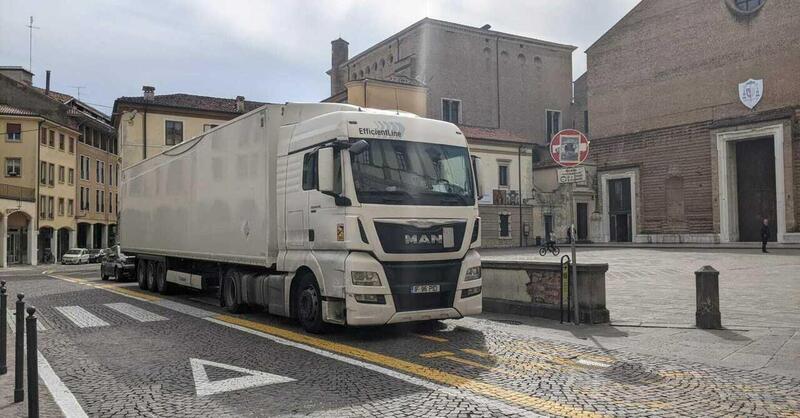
75	256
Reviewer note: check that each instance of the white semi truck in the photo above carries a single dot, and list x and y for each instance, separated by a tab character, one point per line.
328	213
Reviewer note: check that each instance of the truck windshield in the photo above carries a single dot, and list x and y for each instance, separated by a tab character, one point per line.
413	173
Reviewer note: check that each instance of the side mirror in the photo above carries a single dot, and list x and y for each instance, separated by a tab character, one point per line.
476	168
325	169
358	147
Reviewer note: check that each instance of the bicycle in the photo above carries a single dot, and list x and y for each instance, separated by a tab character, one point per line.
549	246
48	257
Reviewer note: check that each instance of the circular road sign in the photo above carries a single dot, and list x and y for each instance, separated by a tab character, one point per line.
569	148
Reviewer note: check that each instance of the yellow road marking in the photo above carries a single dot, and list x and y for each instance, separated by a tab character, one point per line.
431	338
109	287
429	373
435	354
475	352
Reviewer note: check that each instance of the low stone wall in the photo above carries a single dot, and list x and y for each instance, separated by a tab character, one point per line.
534	289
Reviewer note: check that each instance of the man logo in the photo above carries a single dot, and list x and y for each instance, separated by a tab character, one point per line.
424	239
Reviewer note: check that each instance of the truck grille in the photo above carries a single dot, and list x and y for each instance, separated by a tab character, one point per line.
402	276
403	239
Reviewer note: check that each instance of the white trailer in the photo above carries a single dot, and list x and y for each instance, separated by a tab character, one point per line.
329	213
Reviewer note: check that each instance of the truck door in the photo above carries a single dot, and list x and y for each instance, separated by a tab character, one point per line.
297	200
324	216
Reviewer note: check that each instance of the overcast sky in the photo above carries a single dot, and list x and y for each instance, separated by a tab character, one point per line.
264	50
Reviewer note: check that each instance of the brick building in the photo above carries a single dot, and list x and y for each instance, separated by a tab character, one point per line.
694	109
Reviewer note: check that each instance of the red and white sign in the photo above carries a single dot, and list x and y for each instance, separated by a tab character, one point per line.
569	148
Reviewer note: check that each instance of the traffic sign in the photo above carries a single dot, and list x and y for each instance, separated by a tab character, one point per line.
569	148
572	175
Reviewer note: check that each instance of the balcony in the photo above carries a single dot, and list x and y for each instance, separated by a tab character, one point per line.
8	191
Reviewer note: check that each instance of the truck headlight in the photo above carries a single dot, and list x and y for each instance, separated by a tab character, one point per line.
473	273
365	278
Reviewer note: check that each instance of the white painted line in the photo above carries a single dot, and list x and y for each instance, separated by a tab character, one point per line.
254	378
12	320
592	363
503	407
81	317
135	312
184	309
61	394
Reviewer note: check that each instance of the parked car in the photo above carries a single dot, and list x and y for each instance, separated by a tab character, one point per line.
75	256
117	265
95	255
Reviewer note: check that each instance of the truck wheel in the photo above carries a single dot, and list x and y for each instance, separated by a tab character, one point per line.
151	276
308	303
230	292
161	278
141	274
103	276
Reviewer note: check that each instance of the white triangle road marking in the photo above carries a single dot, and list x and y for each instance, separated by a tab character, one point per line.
254	378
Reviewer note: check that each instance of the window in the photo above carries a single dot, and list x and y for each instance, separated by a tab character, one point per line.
553	123
84	198
71	176
209	126
51	139
97	200
101	177
61	142
51	171
116	177
505	231
310	179
43	207
502	173
13	167
102	201
71	145
70	207
61	175
43	136
173	132
50	207
85	163
43	173
14	132
451	110
110	201
60	206
110	174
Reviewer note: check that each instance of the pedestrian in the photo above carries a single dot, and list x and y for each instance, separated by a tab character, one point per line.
764	235
569	235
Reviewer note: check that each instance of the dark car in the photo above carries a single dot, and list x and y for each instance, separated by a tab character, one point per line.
95	255
117	265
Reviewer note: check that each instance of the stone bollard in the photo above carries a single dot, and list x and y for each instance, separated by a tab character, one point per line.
707	289
33	364
19	351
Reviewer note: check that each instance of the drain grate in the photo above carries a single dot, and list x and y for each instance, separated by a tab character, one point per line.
507	321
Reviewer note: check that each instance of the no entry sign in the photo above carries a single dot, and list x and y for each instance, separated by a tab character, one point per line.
569	148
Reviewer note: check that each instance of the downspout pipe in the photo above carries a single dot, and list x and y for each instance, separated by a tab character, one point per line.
519	186
144	134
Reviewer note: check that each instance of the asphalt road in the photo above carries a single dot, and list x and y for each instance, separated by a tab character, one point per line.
119	351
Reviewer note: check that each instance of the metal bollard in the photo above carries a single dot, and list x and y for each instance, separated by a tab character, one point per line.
33	365
707	315
19	352
3	328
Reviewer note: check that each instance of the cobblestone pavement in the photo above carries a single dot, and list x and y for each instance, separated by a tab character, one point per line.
656	286
118	365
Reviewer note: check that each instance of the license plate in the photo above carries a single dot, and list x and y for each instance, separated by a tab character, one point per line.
425	288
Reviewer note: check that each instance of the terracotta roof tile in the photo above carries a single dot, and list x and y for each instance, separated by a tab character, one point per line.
16	111
492	134
191	101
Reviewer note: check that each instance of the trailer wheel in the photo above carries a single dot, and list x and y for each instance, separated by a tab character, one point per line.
141	274
309	305
230	292
161	278
151	276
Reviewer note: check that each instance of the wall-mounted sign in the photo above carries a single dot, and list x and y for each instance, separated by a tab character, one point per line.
571	175
569	148
750	92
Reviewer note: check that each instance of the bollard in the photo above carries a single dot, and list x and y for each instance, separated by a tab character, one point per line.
3	328
33	365
19	351
707	290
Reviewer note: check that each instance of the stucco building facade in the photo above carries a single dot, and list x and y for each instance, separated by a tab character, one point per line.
694	108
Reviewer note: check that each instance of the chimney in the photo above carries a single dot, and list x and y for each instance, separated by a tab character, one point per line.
486	27
339	55
240	104
47	84
149	92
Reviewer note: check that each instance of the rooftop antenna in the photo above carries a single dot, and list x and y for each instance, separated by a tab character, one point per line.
30	43
78	88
